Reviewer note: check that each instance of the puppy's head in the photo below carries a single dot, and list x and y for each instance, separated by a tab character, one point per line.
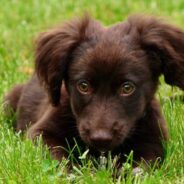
111	74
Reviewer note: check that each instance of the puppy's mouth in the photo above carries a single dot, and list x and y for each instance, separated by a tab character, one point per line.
106	145
102	147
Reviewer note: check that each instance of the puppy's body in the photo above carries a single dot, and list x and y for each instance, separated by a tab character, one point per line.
97	85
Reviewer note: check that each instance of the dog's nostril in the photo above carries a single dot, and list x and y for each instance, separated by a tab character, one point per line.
115	123
117	127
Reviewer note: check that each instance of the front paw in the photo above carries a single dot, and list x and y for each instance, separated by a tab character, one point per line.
32	133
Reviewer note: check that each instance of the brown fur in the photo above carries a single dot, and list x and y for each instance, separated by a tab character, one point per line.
138	50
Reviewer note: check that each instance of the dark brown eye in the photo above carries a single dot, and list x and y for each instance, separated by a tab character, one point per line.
127	88
84	87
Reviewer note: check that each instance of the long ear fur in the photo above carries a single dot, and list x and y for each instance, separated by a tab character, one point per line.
163	42
53	51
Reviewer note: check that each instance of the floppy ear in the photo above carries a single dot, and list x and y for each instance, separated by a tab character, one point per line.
53	52
165	44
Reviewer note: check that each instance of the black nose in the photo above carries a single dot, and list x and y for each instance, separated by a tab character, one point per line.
101	140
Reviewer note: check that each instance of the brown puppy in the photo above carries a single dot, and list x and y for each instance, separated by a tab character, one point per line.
97	85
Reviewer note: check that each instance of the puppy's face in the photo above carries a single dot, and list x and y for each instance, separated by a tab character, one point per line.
109	88
111	74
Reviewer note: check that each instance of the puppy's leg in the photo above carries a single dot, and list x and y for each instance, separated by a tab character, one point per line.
150	134
55	145
147	140
53	131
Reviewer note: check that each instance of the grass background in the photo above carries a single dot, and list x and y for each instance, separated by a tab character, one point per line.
20	22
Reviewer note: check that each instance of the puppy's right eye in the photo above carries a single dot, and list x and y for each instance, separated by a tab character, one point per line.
84	87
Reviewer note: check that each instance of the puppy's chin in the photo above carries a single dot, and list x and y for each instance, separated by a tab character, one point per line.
104	147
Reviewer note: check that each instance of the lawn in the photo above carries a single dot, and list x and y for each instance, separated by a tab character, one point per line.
20	23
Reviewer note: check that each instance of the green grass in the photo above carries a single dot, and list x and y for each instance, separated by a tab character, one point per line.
20	22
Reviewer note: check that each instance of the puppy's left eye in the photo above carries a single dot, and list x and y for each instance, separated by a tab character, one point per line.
127	88
84	87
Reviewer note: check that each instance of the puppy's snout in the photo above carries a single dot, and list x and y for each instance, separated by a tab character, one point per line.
101	139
